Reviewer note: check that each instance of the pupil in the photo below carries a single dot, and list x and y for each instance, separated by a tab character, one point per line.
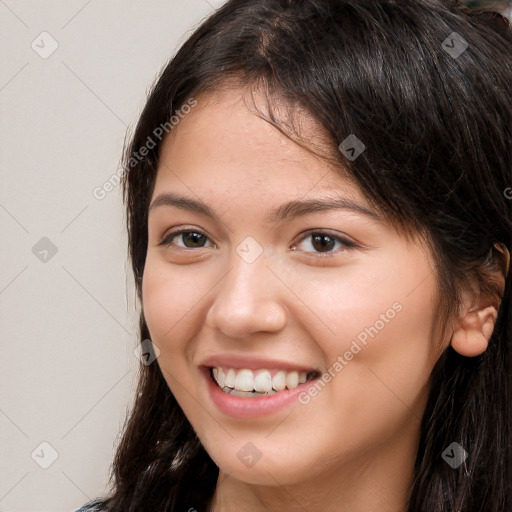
322	244
195	237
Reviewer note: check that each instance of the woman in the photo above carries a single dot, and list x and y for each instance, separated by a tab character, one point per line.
320	236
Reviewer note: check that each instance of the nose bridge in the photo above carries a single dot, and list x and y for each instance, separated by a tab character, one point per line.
247	298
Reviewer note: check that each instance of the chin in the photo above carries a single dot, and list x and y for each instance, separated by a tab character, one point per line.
268	470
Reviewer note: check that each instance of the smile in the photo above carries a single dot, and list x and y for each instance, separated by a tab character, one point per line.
256	383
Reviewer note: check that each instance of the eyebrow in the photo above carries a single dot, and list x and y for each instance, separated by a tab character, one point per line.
287	211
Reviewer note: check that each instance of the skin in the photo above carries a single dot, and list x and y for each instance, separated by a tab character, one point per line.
352	447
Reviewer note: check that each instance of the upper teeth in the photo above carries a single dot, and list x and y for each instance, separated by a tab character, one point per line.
258	380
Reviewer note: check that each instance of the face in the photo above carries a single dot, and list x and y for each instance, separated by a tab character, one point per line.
266	296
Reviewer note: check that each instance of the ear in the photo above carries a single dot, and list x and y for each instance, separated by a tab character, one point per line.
473	331
475	323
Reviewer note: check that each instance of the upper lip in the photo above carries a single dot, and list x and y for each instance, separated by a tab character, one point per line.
253	363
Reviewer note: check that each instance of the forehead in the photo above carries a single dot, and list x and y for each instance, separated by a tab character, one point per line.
223	142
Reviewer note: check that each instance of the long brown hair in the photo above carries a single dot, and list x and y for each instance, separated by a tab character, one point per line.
437	128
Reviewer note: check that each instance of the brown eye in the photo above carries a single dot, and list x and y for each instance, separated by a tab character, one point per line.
193	238
189	239
323	243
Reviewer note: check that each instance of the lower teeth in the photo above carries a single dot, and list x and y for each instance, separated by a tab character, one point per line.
235	392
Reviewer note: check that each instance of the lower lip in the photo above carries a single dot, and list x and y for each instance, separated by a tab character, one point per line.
251	407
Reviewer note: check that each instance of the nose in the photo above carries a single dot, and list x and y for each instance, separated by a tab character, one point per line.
248	300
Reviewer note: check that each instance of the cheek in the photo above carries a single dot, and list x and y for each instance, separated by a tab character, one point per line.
382	323
390	298
158	302
168	300
379	321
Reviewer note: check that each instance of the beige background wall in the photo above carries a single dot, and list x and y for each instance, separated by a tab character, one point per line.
67	318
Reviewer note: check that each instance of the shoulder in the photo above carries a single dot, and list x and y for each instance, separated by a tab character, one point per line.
91	506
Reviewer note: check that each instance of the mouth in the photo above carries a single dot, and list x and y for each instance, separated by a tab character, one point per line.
248	383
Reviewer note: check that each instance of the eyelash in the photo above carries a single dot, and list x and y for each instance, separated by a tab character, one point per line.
167	241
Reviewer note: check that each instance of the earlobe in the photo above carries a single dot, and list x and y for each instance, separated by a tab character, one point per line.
473	331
